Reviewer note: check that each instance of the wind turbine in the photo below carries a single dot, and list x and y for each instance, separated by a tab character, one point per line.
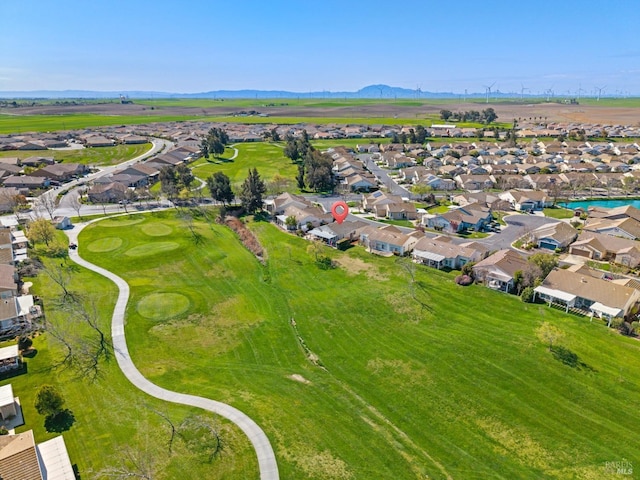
549	92
488	89
580	90
418	91
600	89
522	89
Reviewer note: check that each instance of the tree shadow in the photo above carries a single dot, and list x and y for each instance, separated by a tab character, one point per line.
61	422
570	359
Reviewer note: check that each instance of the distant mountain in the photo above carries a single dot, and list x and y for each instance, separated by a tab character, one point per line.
371	91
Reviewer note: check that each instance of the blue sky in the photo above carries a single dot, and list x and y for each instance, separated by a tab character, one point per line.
315	45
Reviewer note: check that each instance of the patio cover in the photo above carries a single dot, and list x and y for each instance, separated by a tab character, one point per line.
564	296
600	308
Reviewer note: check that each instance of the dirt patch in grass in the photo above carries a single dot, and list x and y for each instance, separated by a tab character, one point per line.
299	378
356	266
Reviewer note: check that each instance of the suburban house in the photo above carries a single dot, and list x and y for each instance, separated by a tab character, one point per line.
25	182
62	172
472	216
617	213
22	459
526	200
497	271
627	227
599	246
441	252
388	239
332	233
305	216
277	205
554	236
600	297
107	192
98	141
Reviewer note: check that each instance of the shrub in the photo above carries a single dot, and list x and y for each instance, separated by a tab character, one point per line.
324	262
464	280
527	295
4	431
24	343
627	329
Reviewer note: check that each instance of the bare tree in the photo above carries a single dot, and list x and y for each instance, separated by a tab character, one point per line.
201	435
135	463
76	202
61	276
46	202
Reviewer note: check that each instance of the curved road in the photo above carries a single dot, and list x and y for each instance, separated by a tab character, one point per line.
266	457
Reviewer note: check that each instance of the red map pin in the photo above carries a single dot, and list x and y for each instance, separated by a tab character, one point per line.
340	210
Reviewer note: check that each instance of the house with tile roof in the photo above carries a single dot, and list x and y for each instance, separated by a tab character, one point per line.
498	270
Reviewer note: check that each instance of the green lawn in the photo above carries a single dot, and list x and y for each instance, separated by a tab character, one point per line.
87	156
366	383
266	157
111	416
558	212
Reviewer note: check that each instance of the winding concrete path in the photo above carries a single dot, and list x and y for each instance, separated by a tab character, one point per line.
266	458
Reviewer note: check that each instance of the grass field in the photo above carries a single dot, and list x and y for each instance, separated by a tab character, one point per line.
87	156
352	379
44	123
559	213
112	418
266	157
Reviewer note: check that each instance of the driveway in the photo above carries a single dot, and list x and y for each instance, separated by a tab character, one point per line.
517	226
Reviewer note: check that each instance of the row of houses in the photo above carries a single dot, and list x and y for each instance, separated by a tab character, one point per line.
20	457
600	294
45	141
116	186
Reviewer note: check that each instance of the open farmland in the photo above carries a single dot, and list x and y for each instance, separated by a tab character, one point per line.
351	377
43	117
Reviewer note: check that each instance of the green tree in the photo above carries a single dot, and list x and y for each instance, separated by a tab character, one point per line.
49	402
550	334
291	222
41	230
421	134
169	182
300	177
489	115
184	176
445	114
319	173
251	192
545	261
204	148
217	138
220	187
